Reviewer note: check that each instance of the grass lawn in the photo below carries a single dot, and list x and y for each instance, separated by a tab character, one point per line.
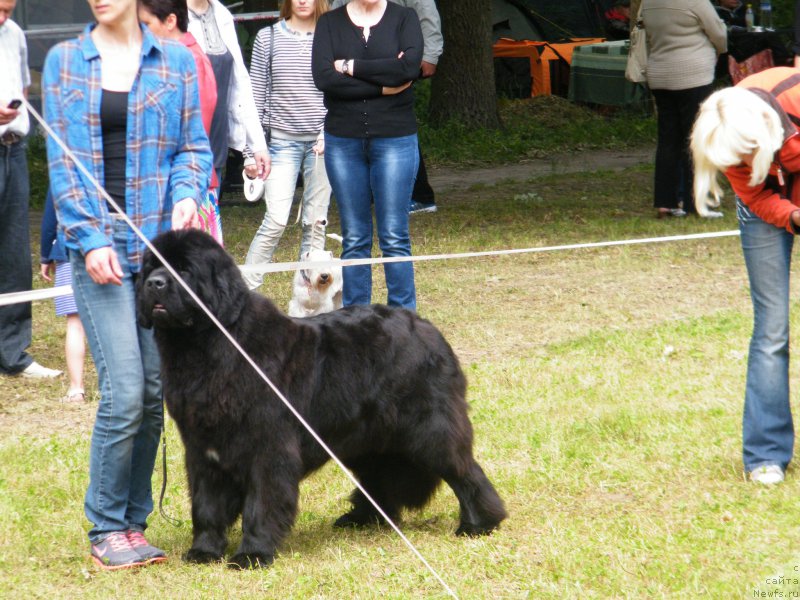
606	391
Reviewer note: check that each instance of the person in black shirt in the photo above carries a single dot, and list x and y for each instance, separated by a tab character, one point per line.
365	58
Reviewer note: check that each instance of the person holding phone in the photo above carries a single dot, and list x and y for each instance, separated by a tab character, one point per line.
15	256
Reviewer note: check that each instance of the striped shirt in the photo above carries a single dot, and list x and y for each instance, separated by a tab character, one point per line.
16	76
297	107
168	157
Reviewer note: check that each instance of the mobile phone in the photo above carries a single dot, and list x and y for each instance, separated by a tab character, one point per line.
15	104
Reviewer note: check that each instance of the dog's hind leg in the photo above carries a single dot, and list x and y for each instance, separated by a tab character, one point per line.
216	502
269	509
394	482
482	509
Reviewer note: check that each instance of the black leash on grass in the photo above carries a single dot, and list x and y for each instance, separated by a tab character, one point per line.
170	520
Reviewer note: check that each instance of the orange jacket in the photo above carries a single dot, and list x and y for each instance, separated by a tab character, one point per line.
774	200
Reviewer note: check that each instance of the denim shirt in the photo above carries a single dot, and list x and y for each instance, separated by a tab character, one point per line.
168	156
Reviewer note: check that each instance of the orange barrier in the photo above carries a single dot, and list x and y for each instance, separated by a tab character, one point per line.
540	54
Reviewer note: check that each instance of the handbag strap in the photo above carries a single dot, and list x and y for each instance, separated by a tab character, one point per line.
268	105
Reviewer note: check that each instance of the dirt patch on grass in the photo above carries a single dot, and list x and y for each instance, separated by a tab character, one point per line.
445	180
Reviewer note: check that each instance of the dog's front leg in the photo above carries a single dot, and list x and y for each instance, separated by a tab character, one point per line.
269	510
216	502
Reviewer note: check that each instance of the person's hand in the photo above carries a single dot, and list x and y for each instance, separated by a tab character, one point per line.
391	91
428	69
46	270
103	266
263	164
184	214
319	147
7	115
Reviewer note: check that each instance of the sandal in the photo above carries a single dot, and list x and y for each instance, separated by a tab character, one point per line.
74	397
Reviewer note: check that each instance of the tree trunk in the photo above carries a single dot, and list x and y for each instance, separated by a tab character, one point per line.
463	88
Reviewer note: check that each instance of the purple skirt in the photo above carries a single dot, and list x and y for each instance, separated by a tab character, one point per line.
65	305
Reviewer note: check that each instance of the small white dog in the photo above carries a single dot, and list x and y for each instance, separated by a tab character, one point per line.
317	289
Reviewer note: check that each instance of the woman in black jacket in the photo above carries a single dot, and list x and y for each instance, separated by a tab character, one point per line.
366	55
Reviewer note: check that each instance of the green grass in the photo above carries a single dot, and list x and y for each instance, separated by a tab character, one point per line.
606	395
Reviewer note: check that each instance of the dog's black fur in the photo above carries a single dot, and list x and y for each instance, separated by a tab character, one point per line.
380	385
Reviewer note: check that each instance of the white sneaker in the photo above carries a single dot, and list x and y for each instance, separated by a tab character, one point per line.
713	214
37	371
767	474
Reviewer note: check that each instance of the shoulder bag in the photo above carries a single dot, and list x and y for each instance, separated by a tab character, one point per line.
636	68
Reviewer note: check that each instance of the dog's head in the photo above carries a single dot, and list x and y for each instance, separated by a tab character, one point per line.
321	277
208	270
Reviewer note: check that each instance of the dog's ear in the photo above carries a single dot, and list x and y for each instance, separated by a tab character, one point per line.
221	286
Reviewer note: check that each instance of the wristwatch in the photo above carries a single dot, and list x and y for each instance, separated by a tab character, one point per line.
346	67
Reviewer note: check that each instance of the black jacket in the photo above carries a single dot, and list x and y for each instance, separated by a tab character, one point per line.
356	106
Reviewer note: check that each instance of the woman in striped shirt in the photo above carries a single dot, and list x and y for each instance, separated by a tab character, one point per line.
292	113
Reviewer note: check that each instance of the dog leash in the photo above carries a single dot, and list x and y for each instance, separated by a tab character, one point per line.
171	520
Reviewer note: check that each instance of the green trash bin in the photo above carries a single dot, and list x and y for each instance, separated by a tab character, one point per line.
597	76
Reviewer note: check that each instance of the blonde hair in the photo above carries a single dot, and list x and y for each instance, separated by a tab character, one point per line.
732	123
320	8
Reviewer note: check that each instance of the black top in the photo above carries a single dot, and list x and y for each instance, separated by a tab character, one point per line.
114	124
356	106
223	66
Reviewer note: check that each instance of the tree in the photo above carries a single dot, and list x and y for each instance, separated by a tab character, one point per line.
463	89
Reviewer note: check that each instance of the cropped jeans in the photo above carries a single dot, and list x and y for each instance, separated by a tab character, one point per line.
288	158
129	417
380	169
767	429
15	258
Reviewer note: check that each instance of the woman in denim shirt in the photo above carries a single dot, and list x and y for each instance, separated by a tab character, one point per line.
126	104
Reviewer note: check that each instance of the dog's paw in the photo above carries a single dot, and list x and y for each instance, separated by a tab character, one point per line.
250	560
357	519
473	530
195	555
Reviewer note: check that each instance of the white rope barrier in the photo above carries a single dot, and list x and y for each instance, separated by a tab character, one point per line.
238	347
263	268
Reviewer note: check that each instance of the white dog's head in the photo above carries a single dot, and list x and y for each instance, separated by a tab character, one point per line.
320	278
318	286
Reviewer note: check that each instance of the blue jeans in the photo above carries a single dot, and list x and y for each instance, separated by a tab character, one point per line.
382	169
767	429
15	258
129	418
288	157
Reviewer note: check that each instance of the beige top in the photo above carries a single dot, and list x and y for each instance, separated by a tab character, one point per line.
684	38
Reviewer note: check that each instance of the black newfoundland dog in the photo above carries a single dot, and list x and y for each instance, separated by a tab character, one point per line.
380	385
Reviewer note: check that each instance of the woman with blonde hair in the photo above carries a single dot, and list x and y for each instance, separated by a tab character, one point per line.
747	133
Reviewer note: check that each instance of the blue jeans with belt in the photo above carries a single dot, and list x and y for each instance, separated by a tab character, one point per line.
767	429
380	169
16	273
127	427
